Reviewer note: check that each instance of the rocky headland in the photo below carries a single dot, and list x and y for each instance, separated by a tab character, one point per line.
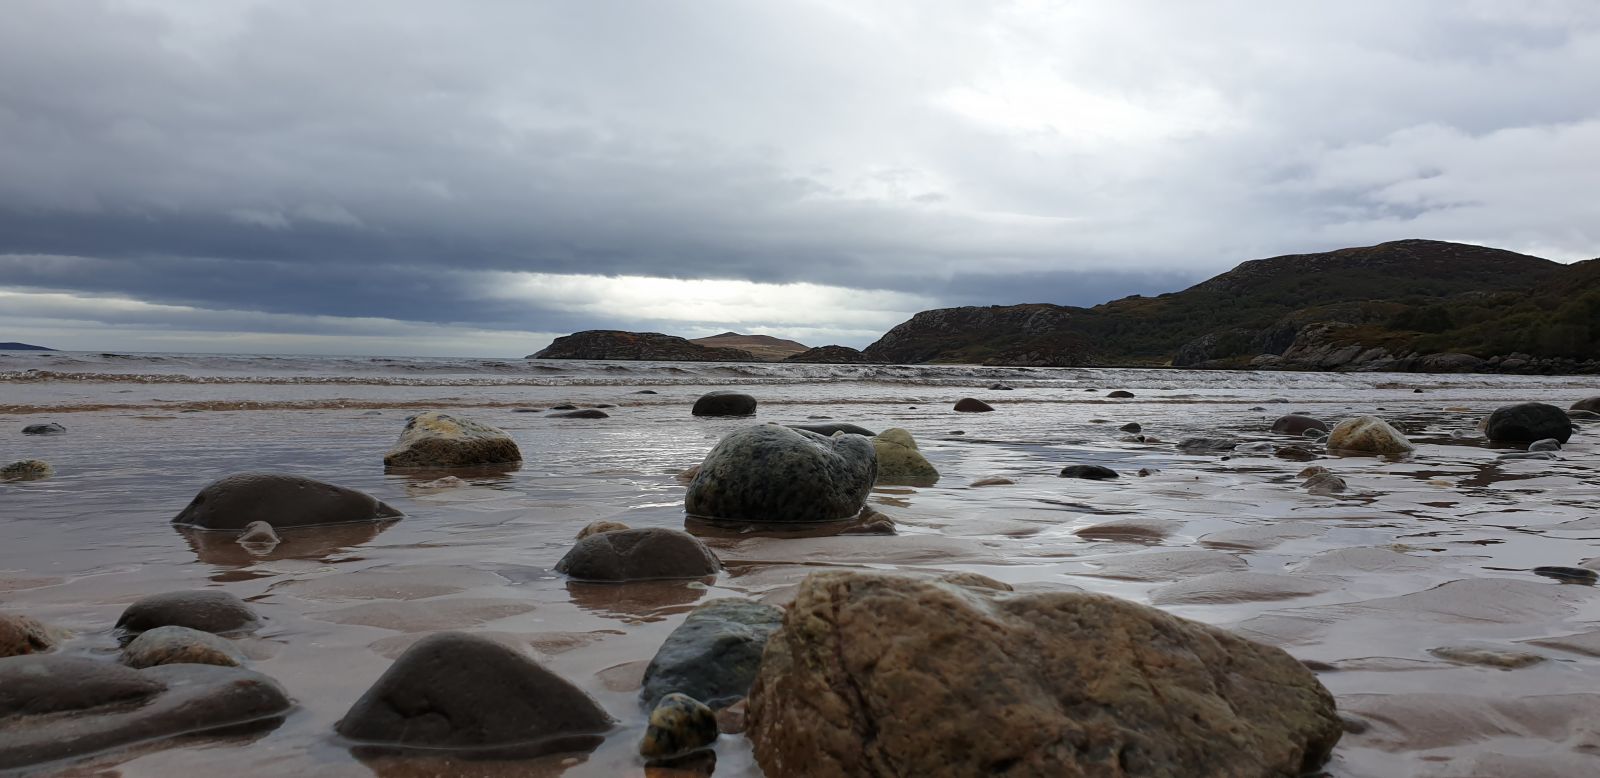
618	344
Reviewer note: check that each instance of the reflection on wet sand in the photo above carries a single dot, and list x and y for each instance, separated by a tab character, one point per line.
637	602
222	547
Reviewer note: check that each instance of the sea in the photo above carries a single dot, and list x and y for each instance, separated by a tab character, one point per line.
1412	594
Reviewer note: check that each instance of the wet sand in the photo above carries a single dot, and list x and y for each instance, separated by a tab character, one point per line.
1412	593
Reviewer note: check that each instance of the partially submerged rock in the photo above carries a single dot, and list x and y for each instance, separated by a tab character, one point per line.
459	691
586	413
827	430
50	428
770	473
56	707
21	635
972	405
435	439
207	610
180	645
597	527
951	682
899	461
678	724
1324	483
1119	394
238	501
1528	422
649	553
1591	404
724	403
1090	472
713	655
1206	445
26	470
1368	435
1297	424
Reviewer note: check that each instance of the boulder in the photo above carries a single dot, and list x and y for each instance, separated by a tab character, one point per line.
971	405
678	724
1368	435
1527	422
207	610
644	554
1120	394
459	691
999	388
1591	404
713	655
1206	445
180	645
597	527
586	413
1297	424
899	461
56	707
435	439
26	470
1132	426
953	681
827	430
725	403
1090	472
21	635
237	501
777	474
50	428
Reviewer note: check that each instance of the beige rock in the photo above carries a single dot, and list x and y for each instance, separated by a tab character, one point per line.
1368	435
21	635
880	675
435	439
26	470
597	527
899	461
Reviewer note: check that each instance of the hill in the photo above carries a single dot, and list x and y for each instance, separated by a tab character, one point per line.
764	347
829	355
11	346
617	344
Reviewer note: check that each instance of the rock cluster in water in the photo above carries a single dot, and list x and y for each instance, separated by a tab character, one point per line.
770	473
237	501
435	439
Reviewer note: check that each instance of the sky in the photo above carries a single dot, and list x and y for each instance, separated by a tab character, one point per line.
409	177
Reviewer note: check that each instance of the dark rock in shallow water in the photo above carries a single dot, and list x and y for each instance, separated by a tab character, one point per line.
644	554
647	391
207	610
1528	422
236	501
713	655
436	439
56	707
44	429
1090	472
1586	415
1295	454
999	387
970	405
597	527
899	460
1591	404
1132	426
587	413
678	724
1120	394
1582	575
180	645
725	403
770	473
21	635
459	691
1205	445
827	430
1297	424
564	407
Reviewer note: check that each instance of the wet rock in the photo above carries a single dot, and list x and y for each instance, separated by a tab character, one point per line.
647	391
1090	472
970	405
180	645
1120	394
731	719
644	554
1488	657
899	461
26	470
776	474
1368	435
678	724
1205	445
725	403
237	501
1578	575
992	481
713	654
586	413
461	691
1146	472
1131	426
564	407
951	682
603	405
1548	444
1297	424
435	439
1313	470
1591	404
59	707
207	610
1325	484
827	430
1527	422
51	428
1295	454
527	410
21	635
1000	387
597	527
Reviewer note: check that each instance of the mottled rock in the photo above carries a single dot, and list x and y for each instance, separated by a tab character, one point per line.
435	439
949	681
586	413
21	635
460	691
26	470
1368	435
50	428
827	430
1295	454
1313	470
1090	472
1120	394
207	610
1548	444
678	724
180	645
597	527
1324	484
713	654
1527	422
1206	445
972	405
644	554
236	501
56	707
899	461
725	403
1297	424
777	474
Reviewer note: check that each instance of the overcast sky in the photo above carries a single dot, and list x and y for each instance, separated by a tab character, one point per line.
474	178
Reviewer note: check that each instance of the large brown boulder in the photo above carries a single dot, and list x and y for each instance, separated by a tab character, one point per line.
880	675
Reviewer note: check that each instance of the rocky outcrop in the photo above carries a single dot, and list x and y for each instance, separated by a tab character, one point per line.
713	655
1035	335
769	473
763	347
829	355
644	554
958	681
618	344
1368	435
236	501
435	439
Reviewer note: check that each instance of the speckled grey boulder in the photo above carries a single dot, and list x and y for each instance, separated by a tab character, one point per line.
644	554
777	474
207	610
435	439
714	654
724	403
239	500
180	645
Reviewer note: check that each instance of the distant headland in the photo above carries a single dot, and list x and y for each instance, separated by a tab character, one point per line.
13	346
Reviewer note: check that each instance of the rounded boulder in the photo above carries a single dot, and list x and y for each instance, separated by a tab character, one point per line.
436	439
648	553
206	610
771	473
973	405
899	461
1528	422
237	501
1368	435
1297	424
725	403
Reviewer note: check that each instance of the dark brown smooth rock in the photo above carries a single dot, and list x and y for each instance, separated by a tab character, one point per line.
644	554
234	502
207	610
724	403
1297	424
972	405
